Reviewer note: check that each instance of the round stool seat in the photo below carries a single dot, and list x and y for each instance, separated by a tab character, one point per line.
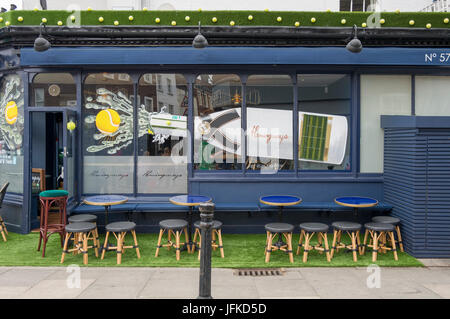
82	227
120	227
216	224
346	226
173	224
54	193
379	226
279	228
314	227
386	219
82	218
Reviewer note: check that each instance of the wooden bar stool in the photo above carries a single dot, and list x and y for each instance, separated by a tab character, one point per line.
379	231
80	231
215	231
280	229
352	229
119	230
3	229
87	218
308	230
174	227
52	199
394	221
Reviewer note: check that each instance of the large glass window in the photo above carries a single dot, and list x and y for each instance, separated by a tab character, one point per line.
432	95
217	124
108	159
269	100
162	148
324	105
11	132
53	89
380	95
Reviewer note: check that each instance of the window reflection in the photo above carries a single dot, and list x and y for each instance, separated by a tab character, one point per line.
217	124
269	123
53	89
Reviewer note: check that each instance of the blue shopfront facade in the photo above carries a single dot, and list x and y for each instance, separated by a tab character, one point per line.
363	87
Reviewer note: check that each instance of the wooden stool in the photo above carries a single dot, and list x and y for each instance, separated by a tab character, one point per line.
81	232
215	230
352	230
394	221
308	230
3	229
119	230
174	227
274	229
49	199
379	231
87	218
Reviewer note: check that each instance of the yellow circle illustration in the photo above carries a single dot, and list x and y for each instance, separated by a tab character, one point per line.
107	121
11	112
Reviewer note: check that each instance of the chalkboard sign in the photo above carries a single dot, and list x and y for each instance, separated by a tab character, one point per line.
37	180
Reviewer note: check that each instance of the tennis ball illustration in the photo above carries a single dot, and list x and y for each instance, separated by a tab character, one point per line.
11	112
107	121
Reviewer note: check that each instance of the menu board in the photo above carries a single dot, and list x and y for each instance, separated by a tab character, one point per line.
37	180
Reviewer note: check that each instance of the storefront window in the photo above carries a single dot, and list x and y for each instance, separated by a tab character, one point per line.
380	95
324	105
162	118
432	95
269	101
53	89
108	158
11	132
217	124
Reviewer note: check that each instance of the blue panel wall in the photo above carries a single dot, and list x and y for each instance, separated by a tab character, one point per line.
417	184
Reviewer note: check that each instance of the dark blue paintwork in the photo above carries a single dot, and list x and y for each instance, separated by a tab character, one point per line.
190	199
280	199
354	200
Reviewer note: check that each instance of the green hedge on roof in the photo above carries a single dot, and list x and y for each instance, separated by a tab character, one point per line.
224	18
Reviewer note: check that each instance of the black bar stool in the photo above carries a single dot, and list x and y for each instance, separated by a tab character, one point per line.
394	221
352	229
216	230
379	231
81	232
86	218
119	230
280	229
308	230
174	227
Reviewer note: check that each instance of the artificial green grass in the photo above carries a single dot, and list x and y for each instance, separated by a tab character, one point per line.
241	251
240	18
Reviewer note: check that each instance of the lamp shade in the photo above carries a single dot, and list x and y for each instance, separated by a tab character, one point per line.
41	44
354	45
200	41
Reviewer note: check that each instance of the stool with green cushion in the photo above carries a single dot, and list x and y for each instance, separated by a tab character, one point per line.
56	199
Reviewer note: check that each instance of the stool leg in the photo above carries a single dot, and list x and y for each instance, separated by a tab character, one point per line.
199	244
169	238
133	233
105	245
394	248
213	238
375	245
353	236
327	248
190	248
269	247
219	234
119	248
66	243
339	235
399	236
3	226
177	238
366	234
306	249
158	245
3	232
85	249
289	246
194	240
333	245
300	241
319	242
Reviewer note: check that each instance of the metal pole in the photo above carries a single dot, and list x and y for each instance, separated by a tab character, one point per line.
206	215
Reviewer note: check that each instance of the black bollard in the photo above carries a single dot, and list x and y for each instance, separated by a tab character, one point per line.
206	215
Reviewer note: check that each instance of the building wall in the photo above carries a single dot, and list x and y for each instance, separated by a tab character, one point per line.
287	5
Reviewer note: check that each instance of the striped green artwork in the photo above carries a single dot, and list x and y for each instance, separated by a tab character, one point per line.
314	133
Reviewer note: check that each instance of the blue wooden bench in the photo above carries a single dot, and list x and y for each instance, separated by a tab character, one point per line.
326	207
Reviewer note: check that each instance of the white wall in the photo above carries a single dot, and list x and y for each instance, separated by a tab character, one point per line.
285	5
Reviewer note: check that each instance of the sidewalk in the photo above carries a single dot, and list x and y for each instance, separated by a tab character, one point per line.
432	281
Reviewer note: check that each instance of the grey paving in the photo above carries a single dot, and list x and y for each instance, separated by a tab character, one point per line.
296	283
